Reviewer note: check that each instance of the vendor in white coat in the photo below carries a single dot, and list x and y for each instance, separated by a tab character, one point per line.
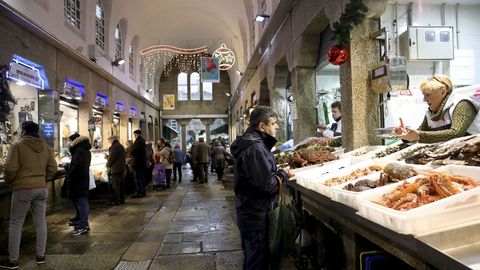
335	129
449	115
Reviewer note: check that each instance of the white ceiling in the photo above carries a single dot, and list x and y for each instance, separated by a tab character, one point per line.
185	23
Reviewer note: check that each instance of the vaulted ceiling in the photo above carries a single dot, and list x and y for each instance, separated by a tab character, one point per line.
187	23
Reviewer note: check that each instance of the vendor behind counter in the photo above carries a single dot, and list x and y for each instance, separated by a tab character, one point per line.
449	115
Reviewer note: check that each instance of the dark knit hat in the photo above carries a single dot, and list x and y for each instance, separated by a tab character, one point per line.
30	128
73	136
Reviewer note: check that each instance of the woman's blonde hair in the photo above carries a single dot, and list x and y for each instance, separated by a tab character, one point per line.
437	83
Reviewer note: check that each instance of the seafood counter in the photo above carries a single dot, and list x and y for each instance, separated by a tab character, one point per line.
414	190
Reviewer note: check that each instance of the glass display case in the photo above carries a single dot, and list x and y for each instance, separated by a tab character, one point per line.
98	164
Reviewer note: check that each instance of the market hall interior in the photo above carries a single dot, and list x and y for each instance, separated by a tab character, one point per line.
184	70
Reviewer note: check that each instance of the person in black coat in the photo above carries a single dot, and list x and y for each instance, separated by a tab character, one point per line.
257	181
139	163
116	170
78	179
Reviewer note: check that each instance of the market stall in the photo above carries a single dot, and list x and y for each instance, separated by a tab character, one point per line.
417	203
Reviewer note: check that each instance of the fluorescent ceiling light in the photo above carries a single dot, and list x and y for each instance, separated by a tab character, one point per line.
228	94
118	62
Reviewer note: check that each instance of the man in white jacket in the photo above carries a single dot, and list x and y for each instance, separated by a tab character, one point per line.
335	129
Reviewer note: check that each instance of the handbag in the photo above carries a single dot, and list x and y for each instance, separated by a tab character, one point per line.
284	224
91	184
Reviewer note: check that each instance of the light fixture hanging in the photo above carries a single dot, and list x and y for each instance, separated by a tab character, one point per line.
118	62
261	17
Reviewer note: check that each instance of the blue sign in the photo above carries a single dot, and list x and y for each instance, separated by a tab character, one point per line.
28	72
48	129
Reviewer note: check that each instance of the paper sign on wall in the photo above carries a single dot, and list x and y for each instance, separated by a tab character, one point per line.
169	102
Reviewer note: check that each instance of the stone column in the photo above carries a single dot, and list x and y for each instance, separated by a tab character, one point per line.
208	123
303	85
184	123
84	114
123	128
135	124
278	100
360	114
107	124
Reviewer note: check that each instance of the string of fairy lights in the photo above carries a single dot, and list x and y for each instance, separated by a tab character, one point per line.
171	58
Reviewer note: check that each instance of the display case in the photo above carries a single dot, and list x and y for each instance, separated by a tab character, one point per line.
98	164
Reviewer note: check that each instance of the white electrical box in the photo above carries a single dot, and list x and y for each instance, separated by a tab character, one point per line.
427	43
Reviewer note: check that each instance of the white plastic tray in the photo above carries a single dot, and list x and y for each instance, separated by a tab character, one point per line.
317	182
457	209
350	198
369	151
397	155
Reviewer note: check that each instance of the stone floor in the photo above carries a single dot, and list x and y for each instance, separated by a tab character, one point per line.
190	226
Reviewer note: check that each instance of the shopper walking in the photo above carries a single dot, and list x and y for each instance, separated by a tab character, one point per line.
166	152
257	182
30	163
139	160
218	153
116	170
200	156
177	165
78	180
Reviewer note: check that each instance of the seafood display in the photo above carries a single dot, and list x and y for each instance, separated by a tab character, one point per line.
391	149
463	152
353	175
311	155
426	190
393	172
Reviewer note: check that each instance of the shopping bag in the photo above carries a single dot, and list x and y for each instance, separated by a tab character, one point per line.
284	225
91	184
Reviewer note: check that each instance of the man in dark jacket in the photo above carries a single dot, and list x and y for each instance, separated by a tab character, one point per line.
257	182
116	170
30	163
139	163
78	179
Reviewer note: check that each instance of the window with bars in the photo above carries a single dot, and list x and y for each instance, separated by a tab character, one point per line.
207	91
182	86
195	86
72	12
100	26
130	60
118	42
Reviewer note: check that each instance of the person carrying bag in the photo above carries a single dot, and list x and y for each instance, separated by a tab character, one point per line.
284	226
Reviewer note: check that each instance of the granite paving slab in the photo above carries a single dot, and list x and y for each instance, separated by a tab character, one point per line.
184	262
230	260
179	248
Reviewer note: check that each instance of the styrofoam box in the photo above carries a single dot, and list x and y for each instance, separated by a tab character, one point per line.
457	209
350	198
316	182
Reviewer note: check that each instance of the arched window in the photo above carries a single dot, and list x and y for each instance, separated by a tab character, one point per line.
118	42
72	12
182	86
130	60
100	26
195	86
207	91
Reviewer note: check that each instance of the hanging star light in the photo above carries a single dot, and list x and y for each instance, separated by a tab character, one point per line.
226	56
165	58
